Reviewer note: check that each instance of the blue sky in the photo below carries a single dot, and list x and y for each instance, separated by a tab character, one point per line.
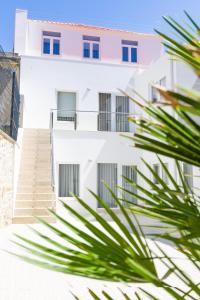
135	15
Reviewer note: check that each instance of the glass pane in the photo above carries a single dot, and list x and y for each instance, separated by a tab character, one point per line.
86	50
46	46
56	47
104	118
66	105
163	81
96	51
130	173
164	174
188	174
133	55
154	94
107	173
125	54
122	111
156	169
68	180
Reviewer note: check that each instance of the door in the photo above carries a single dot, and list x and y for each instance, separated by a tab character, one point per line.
66	106
104	120
107	173
122	112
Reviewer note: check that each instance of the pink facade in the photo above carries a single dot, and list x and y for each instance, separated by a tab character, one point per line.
28	40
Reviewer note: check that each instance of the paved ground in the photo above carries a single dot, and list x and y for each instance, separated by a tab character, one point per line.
21	281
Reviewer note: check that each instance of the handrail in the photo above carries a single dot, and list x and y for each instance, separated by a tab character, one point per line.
93	111
52	152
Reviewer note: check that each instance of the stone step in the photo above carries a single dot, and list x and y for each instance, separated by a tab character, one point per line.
35	196
37	189
36	172
37	164
35	193
37	146
31	220
35	149
35	204
34	182
20	212
36	130
34	154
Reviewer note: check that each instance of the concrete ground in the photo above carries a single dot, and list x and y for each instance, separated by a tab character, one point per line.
22	281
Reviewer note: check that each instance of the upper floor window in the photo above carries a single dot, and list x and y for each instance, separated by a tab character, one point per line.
155	96
51	42
129	51
91	47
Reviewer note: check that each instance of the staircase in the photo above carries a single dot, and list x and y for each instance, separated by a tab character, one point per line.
34	191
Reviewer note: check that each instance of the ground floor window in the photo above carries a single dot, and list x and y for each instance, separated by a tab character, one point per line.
107	173
164	174
130	173
69	179
188	174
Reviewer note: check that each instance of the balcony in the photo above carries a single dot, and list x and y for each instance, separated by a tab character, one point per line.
91	121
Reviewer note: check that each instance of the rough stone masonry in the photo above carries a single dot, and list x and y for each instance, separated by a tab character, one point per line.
6	179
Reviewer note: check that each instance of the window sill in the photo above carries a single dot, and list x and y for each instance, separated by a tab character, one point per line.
101	209
91	59
51	55
129	62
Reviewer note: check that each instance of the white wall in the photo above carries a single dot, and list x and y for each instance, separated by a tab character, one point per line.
42	78
29	32
88	149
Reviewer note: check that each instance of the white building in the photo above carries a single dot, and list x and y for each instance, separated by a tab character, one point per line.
71	77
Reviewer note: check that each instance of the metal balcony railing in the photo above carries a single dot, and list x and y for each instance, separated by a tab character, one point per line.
91	121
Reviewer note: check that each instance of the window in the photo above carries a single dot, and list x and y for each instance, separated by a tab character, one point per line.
56	47
68	180
107	173
46	46
125	56
96	51
156	168
66	106
129	51
51	42
91	47
164	174
155	96
104	118
188	174
122	112
133	55
130	173
162	81
86	50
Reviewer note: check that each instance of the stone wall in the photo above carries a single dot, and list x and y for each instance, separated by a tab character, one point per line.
6	179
